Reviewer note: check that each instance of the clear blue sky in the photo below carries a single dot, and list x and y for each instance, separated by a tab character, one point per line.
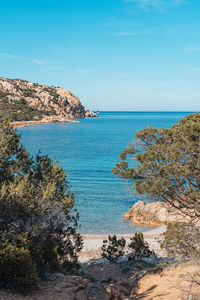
113	54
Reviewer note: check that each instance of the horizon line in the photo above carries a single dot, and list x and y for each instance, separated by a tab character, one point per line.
193	111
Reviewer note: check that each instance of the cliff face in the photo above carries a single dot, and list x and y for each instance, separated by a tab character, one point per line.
27	101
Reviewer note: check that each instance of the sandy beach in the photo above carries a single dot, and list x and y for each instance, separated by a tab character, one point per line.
92	243
30	123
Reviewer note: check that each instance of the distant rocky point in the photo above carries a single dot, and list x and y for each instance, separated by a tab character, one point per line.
29	103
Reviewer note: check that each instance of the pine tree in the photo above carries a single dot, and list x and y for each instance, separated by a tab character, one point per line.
165	164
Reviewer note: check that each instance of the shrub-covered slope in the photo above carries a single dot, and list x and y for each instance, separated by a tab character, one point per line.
26	101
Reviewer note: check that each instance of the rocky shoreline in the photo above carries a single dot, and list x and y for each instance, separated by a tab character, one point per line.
155	214
51	119
30	123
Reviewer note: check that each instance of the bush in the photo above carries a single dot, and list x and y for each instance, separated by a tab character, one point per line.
182	240
20	110
17	270
113	248
139	248
3	94
44	254
36	204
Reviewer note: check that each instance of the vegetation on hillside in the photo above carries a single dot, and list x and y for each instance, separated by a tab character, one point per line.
22	100
20	110
38	229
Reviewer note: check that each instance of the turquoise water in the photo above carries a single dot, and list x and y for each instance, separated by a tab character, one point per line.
89	150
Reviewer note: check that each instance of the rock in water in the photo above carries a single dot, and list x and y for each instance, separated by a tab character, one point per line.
156	214
90	114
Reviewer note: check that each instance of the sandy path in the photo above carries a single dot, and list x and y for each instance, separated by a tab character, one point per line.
172	284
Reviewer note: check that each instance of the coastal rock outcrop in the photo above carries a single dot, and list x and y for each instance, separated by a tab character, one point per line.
155	214
27	101
90	114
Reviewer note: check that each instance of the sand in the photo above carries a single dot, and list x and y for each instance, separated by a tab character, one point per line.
179	283
93	243
30	123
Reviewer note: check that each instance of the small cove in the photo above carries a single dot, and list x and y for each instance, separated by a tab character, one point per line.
89	151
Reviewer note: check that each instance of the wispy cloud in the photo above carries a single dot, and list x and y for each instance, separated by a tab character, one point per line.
159	5
131	33
165	29
195	69
90	71
8	55
192	48
171	29
103	72
20	57
39	62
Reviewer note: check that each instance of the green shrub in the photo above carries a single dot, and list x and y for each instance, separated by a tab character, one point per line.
44	254
17	270
139	248
3	94
182	240
36	215
113	248
20	110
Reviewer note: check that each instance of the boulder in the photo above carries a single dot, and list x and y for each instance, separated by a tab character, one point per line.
155	214
90	114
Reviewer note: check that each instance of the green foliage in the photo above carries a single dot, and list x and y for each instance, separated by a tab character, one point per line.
3	94
17	270
36	206
165	164
113	248
139	248
182	240
20	110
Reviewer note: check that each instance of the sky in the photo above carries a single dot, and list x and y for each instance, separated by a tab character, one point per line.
113	54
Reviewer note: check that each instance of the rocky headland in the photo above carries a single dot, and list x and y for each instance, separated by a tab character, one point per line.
29	103
156	214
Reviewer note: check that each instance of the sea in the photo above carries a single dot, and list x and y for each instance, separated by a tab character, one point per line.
89	150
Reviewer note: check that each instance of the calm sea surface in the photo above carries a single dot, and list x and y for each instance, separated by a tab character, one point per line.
89	151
